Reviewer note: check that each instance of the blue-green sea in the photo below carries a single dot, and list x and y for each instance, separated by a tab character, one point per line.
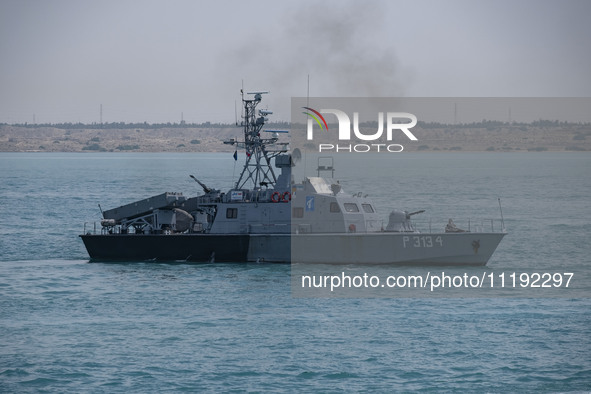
68	325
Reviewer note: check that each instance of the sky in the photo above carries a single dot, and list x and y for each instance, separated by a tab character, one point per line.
163	61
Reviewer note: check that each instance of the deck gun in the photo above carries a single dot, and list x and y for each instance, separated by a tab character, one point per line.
205	188
408	215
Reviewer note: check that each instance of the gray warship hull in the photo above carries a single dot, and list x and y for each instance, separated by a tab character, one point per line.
473	249
172	247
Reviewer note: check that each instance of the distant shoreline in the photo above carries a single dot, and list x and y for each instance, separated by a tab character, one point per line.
441	138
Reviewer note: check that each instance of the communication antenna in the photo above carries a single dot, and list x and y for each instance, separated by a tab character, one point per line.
242	98
501	209
307	105
308	95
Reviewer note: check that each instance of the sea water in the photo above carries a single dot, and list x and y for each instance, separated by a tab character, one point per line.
70	325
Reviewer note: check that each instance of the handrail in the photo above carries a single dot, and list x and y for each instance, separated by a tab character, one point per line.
467	225
307	227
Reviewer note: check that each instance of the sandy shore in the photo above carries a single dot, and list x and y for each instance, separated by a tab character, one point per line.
567	137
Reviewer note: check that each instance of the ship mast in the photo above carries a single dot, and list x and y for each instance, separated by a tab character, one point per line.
259	151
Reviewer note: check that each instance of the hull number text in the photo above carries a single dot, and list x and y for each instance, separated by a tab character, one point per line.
423	241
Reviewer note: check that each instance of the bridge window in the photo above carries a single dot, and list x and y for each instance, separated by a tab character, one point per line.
232	213
334	207
367	208
351	207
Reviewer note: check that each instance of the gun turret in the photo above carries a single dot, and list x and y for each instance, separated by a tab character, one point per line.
205	188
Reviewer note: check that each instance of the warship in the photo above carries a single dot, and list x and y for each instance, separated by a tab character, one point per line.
268	217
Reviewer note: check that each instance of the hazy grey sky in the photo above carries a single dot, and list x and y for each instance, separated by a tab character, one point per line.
153	60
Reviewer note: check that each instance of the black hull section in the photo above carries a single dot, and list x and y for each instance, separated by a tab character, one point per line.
174	247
